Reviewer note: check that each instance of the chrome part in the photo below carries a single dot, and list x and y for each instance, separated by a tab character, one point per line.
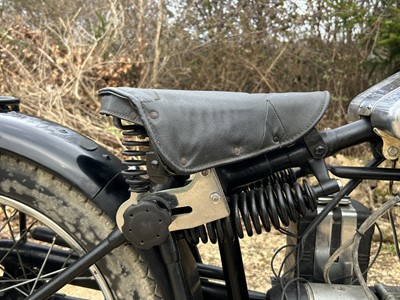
382	104
326	200
364	103
331	234
204	195
343	268
319	291
391	145
387	292
103	286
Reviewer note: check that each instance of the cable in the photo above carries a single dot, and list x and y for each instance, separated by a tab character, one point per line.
378	251
277	275
297	279
394	231
355	242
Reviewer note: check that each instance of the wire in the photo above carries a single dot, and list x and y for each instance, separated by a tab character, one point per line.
297	279
298	249
355	242
394	231
277	275
378	251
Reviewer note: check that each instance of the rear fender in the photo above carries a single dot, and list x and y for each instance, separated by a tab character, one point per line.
80	162
67	154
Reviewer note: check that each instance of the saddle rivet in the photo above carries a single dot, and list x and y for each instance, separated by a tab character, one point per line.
184	161
237	151
276	139
153	114
154	164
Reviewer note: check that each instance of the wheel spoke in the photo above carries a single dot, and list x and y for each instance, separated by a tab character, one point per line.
13	238
5	224
16	243
42	267
15	247
44	277
29	259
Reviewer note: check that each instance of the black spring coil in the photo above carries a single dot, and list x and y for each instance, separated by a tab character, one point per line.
273	202
137	144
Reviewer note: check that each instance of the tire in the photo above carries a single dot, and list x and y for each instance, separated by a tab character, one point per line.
27	189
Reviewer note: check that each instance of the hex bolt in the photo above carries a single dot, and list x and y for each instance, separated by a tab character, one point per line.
215	197
320	150
393	151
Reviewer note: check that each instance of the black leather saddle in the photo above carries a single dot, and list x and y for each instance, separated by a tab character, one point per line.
196	130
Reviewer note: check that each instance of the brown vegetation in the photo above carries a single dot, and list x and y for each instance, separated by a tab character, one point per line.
55	55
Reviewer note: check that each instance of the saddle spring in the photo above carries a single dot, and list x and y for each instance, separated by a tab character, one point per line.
272	202
135	139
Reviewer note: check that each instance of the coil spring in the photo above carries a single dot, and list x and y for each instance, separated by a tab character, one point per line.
137	144
276	200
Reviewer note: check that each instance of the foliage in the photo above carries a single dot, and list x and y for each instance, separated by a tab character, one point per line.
55	55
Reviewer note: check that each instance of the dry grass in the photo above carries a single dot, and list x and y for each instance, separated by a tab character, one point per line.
55	72
258	250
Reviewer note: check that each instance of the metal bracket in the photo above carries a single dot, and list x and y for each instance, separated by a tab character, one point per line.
315	144
200	202
391	145
9	103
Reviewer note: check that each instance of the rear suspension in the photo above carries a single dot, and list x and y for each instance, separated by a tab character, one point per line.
135	139
270	203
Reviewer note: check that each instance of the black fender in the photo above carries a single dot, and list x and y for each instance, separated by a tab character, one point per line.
80	162
69	155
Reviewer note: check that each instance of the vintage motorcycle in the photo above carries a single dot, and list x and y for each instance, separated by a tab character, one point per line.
201	166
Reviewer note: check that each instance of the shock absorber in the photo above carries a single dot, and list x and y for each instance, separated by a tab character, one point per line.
135	139
273	202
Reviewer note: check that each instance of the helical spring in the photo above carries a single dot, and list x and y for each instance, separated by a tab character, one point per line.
274	202
137	144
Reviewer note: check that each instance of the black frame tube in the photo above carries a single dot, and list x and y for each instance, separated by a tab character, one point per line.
365	173
232	264
347	189
212	272
216	291
114	239
170	255
251	170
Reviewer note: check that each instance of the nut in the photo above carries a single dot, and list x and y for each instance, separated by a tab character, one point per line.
393	151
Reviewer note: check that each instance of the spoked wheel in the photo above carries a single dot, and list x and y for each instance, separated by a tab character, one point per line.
45	225
33	249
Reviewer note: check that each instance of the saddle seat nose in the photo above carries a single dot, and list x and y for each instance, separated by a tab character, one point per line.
197	130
